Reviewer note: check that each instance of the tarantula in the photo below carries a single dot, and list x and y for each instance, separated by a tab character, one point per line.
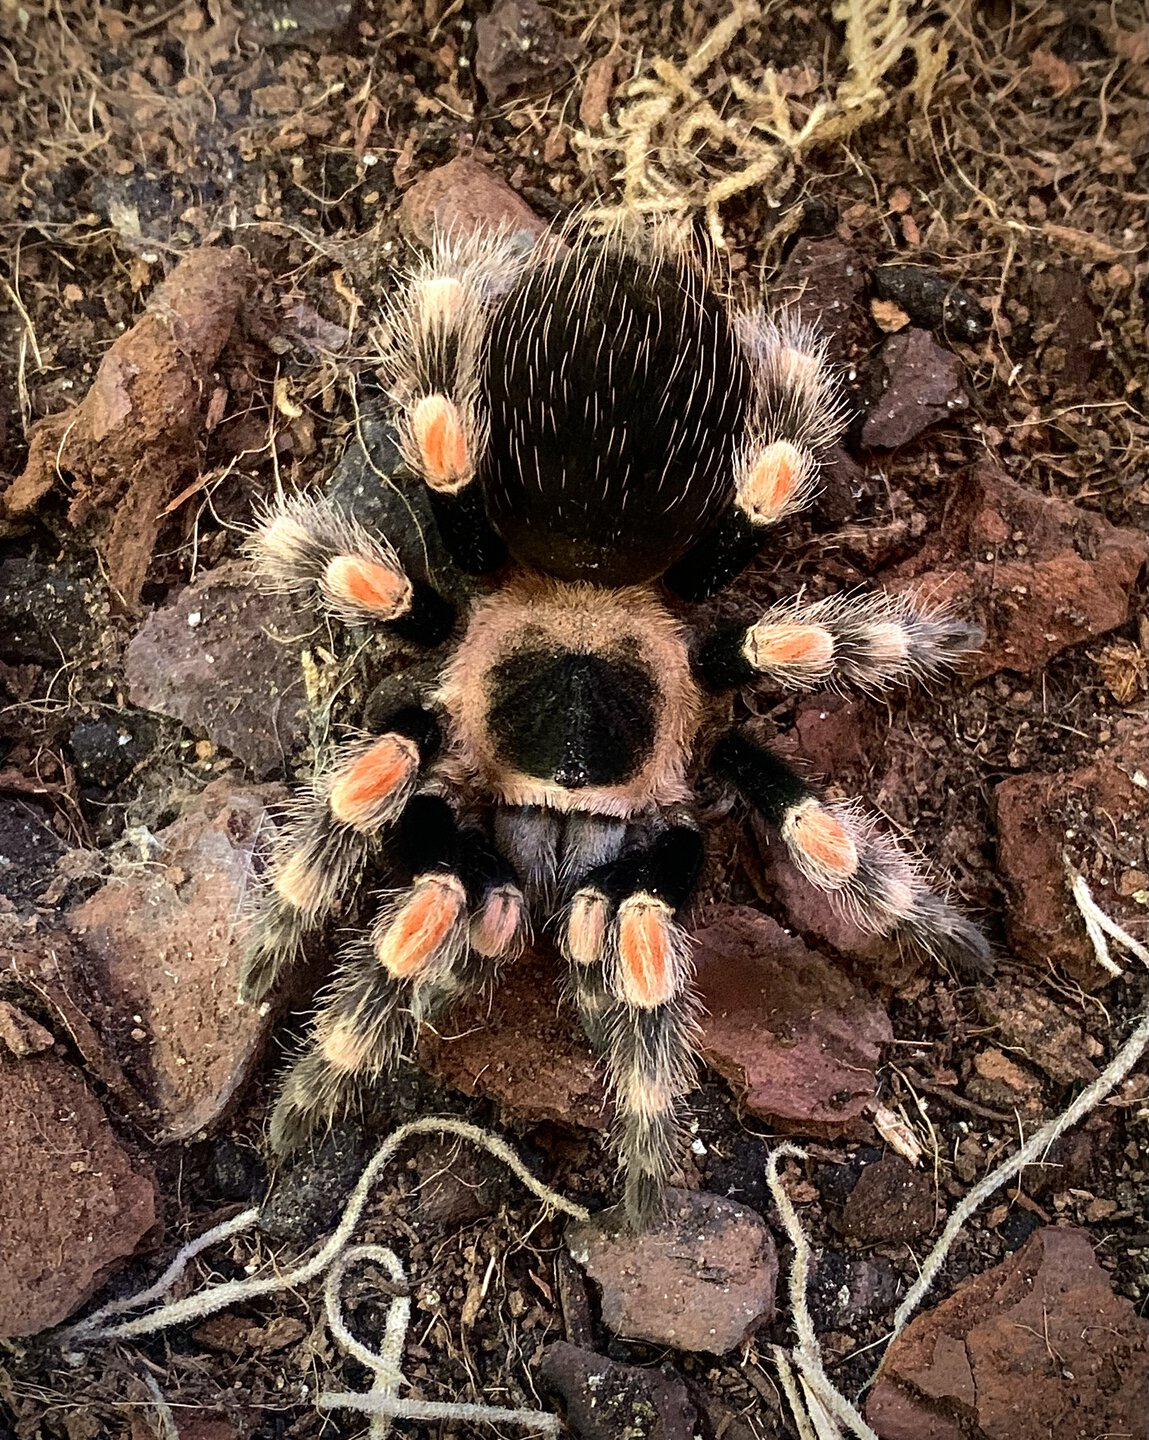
603	440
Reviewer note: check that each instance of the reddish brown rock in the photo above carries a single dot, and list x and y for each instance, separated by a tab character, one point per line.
1038	1346
20	1034
704	1278
72	1206
794	1037
1037	573
223	658
166	941
1041	819
890	1201
517	49
460	197
139	433
922	385
524	1049
1003	1083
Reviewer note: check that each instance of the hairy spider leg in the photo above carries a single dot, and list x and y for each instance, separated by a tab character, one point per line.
839	849
631	981
311	547
434	337
795	415
870	640
442	936
322	850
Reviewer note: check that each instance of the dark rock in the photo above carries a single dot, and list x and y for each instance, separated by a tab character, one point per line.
309	24
1038	574
233	1172
518	49
29	848
703	1278
307	1199
72	1205
922	385
47	610
797	1040
1037	1346
166	949
1043	923
842	481
604	1400
933	301
463	196
455	1187
106	750
891	1201
223	658
846	1291
824	280
524	1050
1077	41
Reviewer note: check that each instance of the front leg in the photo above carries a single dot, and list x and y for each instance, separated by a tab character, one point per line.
631	974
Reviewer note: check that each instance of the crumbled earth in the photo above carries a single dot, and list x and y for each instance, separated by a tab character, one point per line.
202	208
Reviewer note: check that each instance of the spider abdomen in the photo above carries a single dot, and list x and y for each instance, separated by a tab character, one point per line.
617	394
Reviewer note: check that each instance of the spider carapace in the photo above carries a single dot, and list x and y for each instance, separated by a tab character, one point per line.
604	440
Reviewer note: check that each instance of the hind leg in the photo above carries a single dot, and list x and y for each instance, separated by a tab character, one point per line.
631	971
841	851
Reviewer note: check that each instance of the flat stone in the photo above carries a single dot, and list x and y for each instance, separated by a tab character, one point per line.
797	1040
1034	815
1038	574
1031	1022
525	1050
518	49
166	945
923	384
890	1201
223	658
1000	1081
72	1205
703	1278
1037	1346
605	1400
461	197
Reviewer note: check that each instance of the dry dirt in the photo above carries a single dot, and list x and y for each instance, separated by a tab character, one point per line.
1000	454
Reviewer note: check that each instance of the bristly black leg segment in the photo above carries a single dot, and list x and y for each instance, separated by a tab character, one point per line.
839	848
466	532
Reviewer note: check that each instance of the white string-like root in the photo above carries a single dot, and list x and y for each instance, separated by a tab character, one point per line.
334	1257
1098	926
807	1355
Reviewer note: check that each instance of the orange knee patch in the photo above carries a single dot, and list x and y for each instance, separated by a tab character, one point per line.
822	841
361	584
772	481
420	926
438	430
646	960
586	927
366	792
497	929
789	644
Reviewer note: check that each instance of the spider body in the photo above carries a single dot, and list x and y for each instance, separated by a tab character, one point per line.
603	440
